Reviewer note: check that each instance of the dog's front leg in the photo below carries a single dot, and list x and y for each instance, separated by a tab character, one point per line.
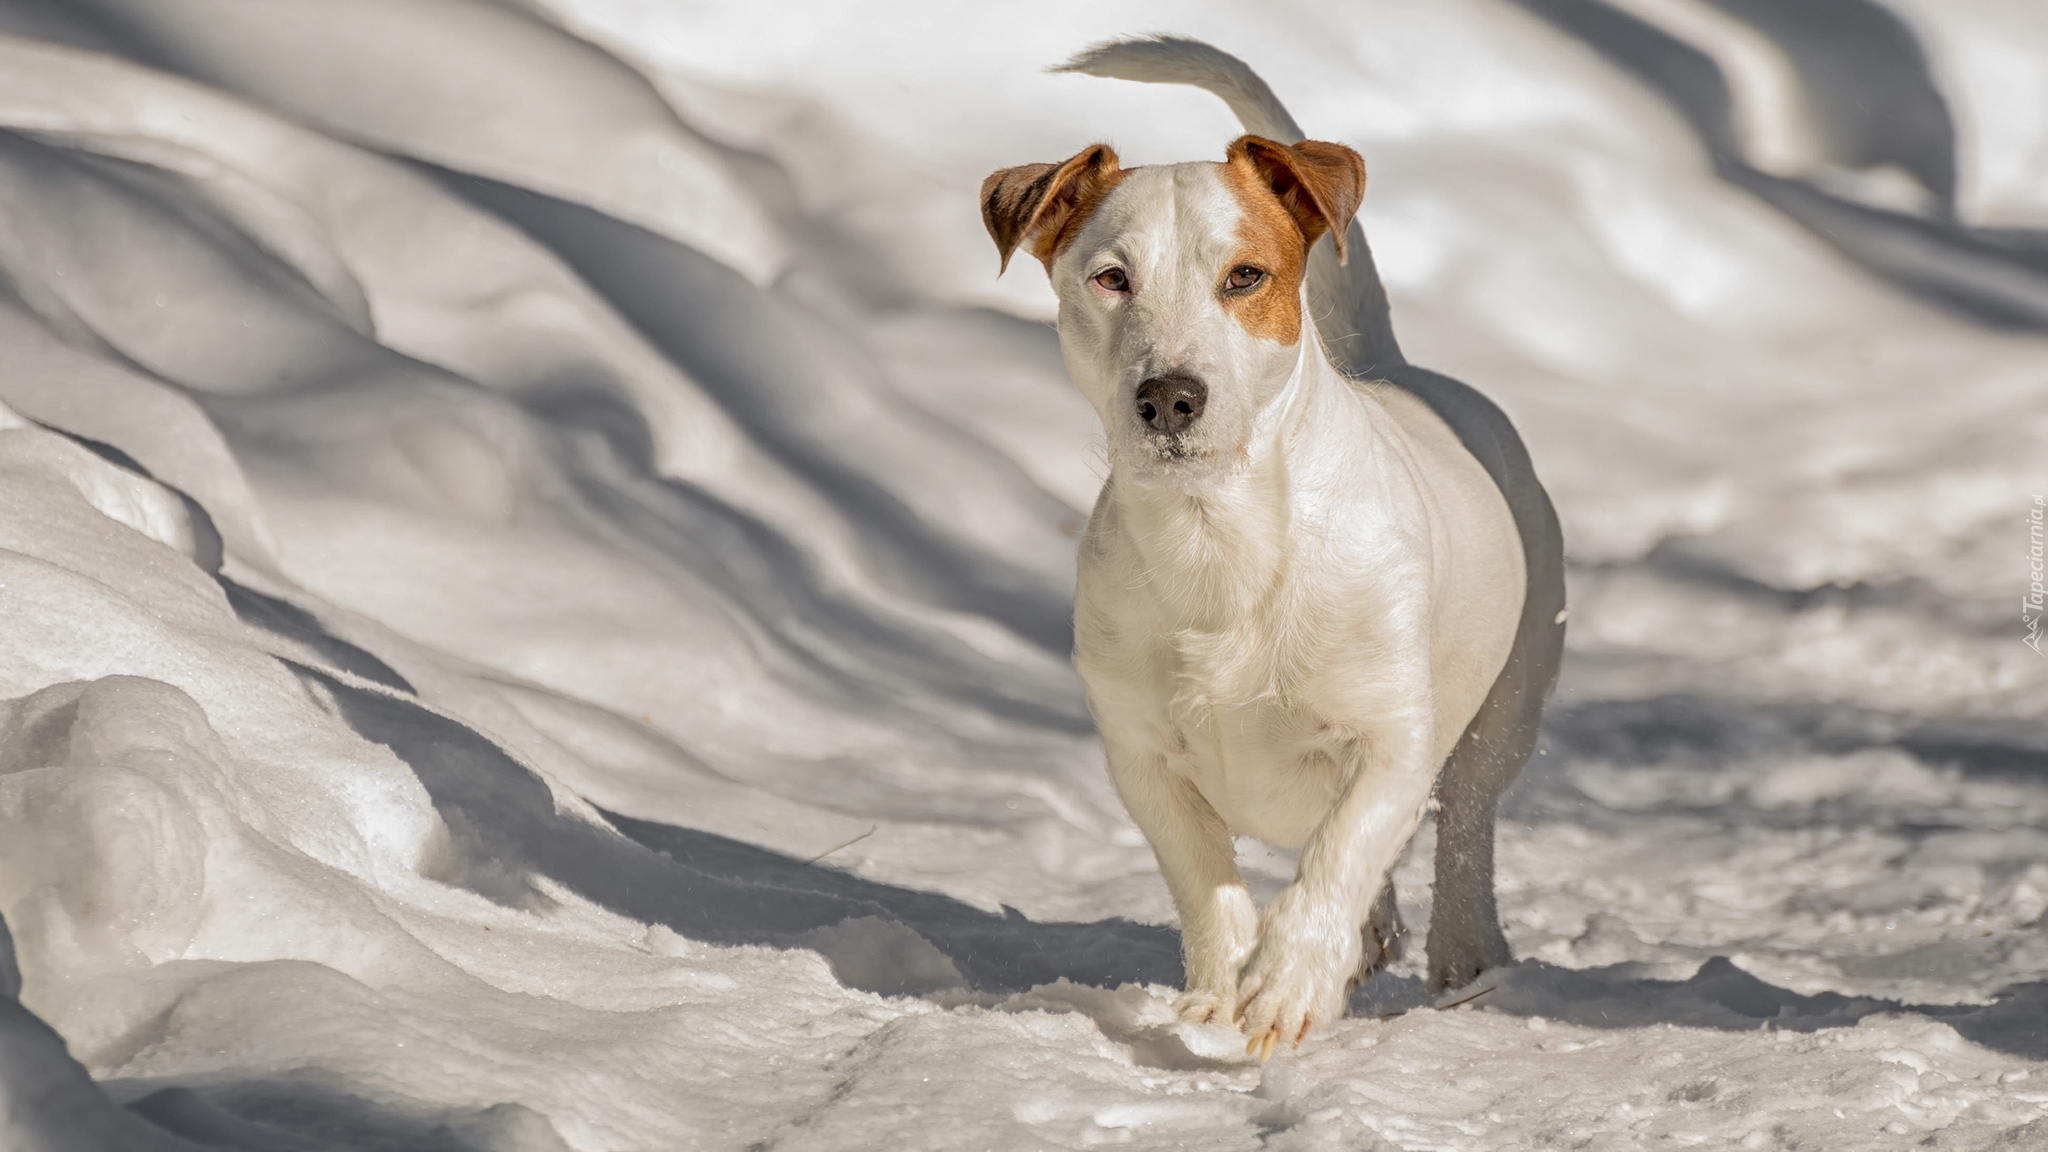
1218	919
1310	946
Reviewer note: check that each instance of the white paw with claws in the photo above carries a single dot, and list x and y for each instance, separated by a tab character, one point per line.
1299	977
1206	1005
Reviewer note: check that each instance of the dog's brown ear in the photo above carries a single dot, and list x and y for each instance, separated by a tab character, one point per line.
1043	203
1320	184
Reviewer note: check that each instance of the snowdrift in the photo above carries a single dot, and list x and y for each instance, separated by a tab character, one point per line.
535	556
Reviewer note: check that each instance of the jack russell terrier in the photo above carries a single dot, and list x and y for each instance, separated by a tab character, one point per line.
1322	590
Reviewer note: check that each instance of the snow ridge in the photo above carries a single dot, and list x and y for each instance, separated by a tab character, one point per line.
534	564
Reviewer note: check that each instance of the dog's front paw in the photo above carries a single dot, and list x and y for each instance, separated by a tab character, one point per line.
1298	979
1206	1005
1219	935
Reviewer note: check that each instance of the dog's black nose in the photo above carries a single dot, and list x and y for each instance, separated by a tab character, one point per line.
1170	403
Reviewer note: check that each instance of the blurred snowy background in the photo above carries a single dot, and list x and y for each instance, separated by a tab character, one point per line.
535	553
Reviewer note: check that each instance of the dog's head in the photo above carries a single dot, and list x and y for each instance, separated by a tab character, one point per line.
1180	286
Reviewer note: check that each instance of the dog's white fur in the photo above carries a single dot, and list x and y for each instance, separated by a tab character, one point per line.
1287	618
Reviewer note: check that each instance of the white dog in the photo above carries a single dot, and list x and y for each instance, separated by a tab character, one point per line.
1307	600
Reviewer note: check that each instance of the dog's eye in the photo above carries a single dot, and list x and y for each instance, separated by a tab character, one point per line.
1113	280
1242	277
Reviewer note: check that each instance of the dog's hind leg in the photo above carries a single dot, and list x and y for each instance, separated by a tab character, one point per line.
1465	936
1386	937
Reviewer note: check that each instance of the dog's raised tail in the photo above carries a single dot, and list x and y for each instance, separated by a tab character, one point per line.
1178	60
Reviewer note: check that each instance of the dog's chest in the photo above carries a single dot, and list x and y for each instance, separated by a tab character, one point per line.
1252	725
1219	644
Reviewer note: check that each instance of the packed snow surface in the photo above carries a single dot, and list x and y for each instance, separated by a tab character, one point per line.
535	552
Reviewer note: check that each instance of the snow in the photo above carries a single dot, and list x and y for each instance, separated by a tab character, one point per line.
1982	50
533	572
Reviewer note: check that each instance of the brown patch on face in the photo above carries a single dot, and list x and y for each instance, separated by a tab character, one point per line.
1269	240
1044	206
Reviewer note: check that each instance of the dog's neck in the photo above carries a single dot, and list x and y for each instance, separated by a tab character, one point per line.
1221	543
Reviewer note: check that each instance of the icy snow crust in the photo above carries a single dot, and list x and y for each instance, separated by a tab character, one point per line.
477	525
